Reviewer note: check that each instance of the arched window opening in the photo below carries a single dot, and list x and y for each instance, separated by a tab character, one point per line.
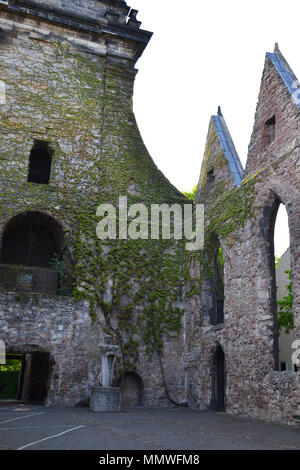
31	239
284	298
40	160
30	243
218	400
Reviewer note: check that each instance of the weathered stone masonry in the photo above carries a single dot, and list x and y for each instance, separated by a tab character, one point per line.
241	209
69	73
68	68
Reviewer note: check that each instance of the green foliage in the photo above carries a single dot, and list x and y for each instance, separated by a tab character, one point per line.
9	378
133	283
220	256
59	265
191	195
285	314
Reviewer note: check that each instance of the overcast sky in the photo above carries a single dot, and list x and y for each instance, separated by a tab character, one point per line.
202	55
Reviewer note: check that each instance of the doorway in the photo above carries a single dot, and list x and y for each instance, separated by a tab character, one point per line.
25	377
218	380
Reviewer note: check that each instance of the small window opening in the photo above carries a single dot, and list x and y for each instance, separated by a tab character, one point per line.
40	160
180	294
270	130
210	176
283	366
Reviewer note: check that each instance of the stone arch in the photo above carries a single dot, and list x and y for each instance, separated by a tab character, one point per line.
132	389
30	239
218	378
29	243
270	202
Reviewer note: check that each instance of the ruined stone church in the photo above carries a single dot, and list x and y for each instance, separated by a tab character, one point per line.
197	329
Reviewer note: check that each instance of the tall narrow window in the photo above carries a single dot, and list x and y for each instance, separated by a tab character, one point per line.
283	292
269	136
217	287
210	176
40	163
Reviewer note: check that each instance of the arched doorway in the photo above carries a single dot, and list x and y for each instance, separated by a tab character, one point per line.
218	401
132	388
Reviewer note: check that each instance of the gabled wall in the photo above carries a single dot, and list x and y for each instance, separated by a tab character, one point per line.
242	220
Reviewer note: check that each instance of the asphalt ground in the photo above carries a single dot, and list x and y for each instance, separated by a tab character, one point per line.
32	427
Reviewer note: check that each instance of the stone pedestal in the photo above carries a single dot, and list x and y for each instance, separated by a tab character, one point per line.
105	399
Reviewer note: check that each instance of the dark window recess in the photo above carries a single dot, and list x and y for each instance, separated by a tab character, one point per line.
217	313
210	176
220	311
180	294
270	131
40	163
283	366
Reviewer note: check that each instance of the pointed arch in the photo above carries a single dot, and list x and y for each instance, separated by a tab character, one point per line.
271	199
218	398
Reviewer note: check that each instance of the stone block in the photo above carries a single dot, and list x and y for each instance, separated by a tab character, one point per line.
105	399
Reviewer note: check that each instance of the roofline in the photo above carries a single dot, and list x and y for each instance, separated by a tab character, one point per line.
229	148
287	75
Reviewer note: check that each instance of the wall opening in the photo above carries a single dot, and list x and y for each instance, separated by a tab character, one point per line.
218	401
284	301
30	242
210	176
40	160
11	374
131	389
25	377
277	218
217	291
31	239
269	131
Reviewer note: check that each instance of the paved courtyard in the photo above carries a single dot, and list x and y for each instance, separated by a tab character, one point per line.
39	428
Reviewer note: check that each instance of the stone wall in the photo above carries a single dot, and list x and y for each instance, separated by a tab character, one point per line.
71	86
248	334
69	82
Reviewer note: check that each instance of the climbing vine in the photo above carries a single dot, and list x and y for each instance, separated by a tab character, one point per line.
83	108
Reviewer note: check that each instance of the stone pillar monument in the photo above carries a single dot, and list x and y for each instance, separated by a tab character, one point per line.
104	397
